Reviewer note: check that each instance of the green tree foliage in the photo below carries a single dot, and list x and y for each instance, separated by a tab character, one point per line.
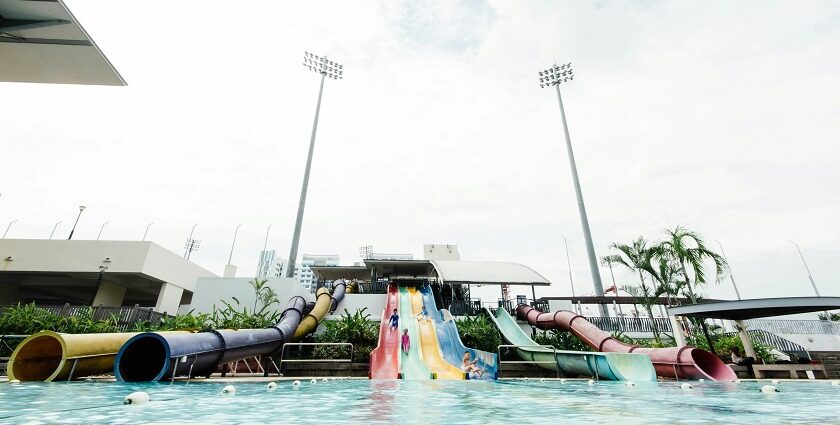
356	328
561	340
479	333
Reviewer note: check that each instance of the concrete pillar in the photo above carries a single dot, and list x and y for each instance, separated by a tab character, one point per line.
676	326
9	294
749	350
109	294
230	271
169	298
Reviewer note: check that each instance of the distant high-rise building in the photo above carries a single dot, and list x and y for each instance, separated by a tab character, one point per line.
380	256
305	275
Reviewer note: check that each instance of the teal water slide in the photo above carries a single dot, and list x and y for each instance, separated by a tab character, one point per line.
411	362
608	366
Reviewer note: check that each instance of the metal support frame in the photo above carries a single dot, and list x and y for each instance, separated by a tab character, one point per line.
501	362
300	344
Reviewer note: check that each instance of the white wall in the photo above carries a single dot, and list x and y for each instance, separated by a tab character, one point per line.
815	342
375	304
210	291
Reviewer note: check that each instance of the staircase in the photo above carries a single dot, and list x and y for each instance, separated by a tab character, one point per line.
831	361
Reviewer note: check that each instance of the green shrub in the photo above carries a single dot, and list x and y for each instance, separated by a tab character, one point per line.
479	333
561	340
356	328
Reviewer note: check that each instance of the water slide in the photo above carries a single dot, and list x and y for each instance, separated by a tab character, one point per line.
608	366
450	342
153	356
411	363
385	358
673	362
430	349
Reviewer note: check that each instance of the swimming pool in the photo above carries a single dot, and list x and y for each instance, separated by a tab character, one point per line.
364	401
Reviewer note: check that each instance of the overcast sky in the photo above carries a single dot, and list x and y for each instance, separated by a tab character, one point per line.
718	116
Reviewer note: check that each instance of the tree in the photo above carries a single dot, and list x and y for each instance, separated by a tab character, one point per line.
638	257
687	251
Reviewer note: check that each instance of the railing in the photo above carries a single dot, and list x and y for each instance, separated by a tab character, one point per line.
303	344
631	324
768	338
818	327
126	316
501	362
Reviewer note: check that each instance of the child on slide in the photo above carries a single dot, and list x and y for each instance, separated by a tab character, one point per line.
395	319
406	341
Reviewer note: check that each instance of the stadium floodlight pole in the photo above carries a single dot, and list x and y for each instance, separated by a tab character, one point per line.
7	228
55	227
147	230
81	208
731	276
101	229
233	244
262	254
811	278
327	68
553	76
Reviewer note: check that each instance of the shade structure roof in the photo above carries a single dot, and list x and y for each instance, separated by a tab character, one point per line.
487	272
42	42
757	308
340	272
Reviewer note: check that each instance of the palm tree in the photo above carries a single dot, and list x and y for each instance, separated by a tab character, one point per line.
637	257
688	251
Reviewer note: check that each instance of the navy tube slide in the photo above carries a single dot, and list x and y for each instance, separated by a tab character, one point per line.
152	357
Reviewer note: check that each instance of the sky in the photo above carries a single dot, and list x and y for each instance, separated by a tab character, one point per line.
713	115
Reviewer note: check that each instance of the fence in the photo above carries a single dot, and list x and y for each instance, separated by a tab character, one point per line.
348	360
125	317
770	339
631	324
807	327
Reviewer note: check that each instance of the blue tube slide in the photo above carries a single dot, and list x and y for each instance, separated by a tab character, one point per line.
151	356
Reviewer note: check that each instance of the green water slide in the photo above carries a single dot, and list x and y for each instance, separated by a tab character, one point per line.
609	366
411	362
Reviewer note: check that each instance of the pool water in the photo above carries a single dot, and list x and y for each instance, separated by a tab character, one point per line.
431	402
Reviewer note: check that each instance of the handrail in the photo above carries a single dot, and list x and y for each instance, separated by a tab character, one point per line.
283	353
500	361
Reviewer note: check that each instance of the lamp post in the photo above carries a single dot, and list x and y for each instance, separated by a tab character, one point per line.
327	68
191	244
7	229
101	229
81	208
262	254
230	257
811	278
553	76
55	227
731	276
147	230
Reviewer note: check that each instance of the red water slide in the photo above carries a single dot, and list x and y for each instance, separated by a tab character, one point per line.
385	358
672	362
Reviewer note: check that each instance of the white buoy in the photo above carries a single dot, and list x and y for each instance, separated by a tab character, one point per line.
591	382
630	384
324	380
686	386
14	382
88	380
138	397
701	380
775	382
835	383
296	384
737	381
525	378
313	381
229	390
769	389
271	386
562	381
542	379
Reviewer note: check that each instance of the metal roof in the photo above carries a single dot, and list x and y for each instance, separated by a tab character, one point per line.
607	299
487	272
42	42
753	309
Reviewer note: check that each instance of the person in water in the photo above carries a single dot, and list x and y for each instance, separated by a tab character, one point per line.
469	366
424	314
406	341
395	319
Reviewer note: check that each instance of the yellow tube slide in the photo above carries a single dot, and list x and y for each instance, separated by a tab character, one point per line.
310	322
429	346
48	355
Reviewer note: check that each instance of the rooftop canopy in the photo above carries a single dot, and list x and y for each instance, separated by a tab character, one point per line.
456	272
42	42
753	309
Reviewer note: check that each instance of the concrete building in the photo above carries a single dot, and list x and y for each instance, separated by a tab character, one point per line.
304	274
270	265
211	291
109	273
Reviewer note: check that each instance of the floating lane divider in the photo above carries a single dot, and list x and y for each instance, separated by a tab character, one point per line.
155	356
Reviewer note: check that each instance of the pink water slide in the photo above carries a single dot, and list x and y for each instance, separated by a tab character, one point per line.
672	362
384	359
